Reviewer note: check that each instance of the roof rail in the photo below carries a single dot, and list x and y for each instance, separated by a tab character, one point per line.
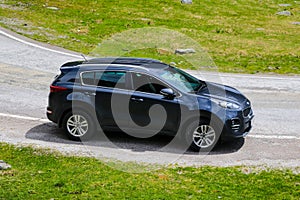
121	60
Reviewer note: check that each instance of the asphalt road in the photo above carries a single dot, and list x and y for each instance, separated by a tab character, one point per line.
27	69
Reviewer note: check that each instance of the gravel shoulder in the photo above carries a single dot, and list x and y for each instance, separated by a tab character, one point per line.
273	153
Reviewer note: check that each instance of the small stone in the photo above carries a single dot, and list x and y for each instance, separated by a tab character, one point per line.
284	13
284	5
260	29
296	23
63	36
184	51
53	8
186	1
173	63
4	165
145	19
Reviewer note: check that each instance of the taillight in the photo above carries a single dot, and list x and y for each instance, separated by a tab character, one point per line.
57	88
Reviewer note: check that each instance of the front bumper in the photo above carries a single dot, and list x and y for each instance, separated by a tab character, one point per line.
238	125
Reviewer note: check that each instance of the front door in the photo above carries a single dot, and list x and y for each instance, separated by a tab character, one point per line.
150	111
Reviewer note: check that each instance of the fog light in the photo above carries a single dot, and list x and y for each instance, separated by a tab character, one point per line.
235	124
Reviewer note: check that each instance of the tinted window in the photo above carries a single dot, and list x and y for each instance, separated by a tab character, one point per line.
145	83
88	78
104	78
180	79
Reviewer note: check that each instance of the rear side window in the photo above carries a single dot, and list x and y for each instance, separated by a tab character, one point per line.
112	79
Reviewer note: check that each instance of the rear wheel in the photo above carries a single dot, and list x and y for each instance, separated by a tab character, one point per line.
78	125
202	136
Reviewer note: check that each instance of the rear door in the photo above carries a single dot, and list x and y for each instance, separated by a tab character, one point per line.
111	93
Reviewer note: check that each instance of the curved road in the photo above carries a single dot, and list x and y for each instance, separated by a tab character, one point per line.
27	69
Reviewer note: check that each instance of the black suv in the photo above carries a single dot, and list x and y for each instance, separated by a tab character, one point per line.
145	97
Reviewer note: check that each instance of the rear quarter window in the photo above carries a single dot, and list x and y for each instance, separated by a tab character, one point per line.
88	78
110	79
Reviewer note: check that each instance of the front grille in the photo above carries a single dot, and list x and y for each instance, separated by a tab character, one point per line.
247	112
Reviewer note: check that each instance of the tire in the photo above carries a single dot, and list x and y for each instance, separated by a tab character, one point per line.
202	136
78	126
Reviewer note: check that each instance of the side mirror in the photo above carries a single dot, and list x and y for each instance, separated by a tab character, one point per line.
168	93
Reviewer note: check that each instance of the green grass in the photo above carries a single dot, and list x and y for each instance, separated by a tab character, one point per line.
38	174
244	36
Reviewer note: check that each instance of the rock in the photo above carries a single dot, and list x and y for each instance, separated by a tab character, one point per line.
260	29
4	165
53	8
296	23
284	13
284	5
184	51
145	19
186	1
173	63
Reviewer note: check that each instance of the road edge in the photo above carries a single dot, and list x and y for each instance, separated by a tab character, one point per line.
48	47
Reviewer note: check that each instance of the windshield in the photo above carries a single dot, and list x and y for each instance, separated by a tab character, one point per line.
180	79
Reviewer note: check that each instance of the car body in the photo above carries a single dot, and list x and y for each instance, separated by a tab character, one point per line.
145	97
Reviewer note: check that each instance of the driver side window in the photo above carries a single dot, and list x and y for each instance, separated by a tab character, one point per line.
145	83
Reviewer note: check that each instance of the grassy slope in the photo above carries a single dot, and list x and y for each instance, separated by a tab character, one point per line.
241	35
37	174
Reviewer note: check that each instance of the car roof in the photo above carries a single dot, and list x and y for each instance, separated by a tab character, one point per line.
117	63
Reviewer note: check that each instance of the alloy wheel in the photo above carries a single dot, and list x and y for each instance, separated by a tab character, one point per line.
77	125
204	136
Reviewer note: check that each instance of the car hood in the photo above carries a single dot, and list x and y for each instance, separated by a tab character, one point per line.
222	92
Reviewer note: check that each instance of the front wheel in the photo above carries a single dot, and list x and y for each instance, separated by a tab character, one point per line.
202	136
78	126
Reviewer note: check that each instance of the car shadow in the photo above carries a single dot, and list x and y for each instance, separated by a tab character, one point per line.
50	133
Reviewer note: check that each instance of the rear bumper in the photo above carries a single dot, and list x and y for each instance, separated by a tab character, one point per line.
50	115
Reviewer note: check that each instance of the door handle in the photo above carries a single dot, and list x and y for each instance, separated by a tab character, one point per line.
137	99
90	93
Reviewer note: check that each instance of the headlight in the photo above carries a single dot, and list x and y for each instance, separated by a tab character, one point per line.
226	105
